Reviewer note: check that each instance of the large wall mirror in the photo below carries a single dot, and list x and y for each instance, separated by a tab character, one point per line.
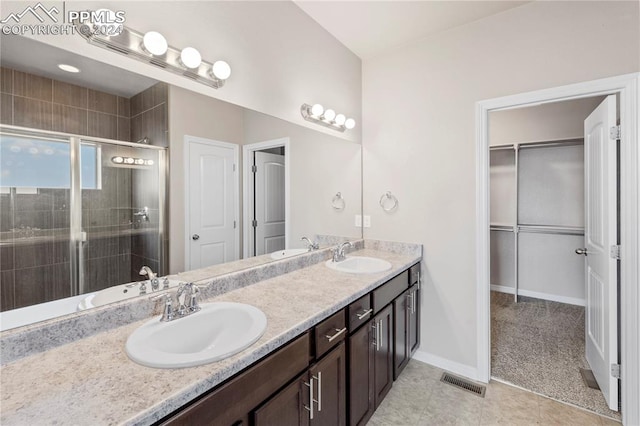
104	171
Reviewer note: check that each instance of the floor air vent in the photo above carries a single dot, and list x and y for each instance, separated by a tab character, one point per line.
463	384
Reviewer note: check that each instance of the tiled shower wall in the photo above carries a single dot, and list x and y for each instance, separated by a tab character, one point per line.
27	263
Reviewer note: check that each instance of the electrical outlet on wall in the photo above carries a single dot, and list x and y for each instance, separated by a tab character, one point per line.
367	221
358	220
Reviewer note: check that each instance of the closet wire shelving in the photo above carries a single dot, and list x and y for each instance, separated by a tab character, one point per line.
518	228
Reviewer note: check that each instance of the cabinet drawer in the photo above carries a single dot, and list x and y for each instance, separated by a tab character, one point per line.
384	294
414	274
235	399
359	312
330	332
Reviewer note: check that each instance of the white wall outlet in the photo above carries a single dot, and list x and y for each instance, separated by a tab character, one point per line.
358	220
367	221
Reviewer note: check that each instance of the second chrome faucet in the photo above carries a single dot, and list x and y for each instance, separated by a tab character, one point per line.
187	301
338	252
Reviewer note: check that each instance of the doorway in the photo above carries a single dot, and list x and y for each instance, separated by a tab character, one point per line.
266	197
626	87
539	218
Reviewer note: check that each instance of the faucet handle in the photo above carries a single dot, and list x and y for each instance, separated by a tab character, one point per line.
167	312
193	305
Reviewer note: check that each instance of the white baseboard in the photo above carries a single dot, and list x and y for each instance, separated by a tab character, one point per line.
538	295
467	371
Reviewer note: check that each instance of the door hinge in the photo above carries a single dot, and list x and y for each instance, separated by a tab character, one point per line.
234	167
614	133
615	371
234	224
615	252
254	168
254	223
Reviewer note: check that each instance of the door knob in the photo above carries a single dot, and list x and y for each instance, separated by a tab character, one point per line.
195	237
581	251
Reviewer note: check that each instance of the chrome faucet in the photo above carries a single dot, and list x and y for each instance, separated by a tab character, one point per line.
310	245
144	214
187	296
338	252
152	276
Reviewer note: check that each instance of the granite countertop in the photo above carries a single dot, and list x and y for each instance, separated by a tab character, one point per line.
92	381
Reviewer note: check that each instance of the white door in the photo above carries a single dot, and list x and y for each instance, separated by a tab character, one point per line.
601	327
211	213
269	203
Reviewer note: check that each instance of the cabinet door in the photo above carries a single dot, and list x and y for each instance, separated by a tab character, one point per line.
383	354
287	407
361	387
401	312
413	311
330	376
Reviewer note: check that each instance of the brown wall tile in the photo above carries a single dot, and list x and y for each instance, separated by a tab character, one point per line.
102	102
6	80
32	86
102	125
124	107
32	113
6	290
124	129
69	120
6	108
69	94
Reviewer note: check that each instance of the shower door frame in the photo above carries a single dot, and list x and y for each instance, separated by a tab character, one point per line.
76	235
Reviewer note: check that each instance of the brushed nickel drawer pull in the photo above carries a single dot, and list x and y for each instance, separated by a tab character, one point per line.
319	380
364	314
311	400
339	331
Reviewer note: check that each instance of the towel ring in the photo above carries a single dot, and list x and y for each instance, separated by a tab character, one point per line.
338	202
388	201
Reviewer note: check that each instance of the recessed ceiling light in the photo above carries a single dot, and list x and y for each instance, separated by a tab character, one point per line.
68	68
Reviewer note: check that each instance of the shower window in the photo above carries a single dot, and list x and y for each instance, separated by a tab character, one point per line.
28	163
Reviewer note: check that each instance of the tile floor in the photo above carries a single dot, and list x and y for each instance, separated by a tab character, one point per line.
538	345
419	398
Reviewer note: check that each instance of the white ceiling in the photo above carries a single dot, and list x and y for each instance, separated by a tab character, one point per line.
24	54
369	28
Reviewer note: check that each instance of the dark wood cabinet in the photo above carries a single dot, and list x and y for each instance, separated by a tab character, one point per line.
329	378
383	354
401	309
287	407
414	318
361	389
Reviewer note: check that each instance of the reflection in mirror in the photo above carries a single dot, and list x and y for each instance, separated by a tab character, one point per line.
61	253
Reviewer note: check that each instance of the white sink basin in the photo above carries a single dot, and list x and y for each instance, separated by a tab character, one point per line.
282	254
116	294
360	265
217	331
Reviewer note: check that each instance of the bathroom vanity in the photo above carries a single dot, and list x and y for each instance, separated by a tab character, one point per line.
332	340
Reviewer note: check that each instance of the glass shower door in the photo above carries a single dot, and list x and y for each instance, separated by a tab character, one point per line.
121	216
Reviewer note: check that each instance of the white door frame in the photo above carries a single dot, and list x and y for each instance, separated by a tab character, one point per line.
247	150
187	193
628	88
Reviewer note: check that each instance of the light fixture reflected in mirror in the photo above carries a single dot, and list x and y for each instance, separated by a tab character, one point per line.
152	47
326	117
119	160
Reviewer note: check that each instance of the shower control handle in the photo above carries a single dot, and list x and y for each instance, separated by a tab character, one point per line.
581	251
195	237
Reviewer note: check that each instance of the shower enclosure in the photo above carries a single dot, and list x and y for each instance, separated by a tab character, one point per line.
78	214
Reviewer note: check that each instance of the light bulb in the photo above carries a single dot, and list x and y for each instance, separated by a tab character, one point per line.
155	43
129	160
350	123
317	110
221	70
340	119
149	162
190	57
68	68
118	160
139	161
329	115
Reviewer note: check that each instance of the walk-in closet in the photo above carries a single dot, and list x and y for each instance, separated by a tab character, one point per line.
537	187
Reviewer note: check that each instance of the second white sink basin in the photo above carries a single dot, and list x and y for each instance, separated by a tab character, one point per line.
217	331
282	254
360	265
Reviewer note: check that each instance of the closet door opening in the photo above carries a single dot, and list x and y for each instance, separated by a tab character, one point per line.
541	306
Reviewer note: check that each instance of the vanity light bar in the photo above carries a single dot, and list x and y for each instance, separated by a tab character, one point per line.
130	161
153	48
326	117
